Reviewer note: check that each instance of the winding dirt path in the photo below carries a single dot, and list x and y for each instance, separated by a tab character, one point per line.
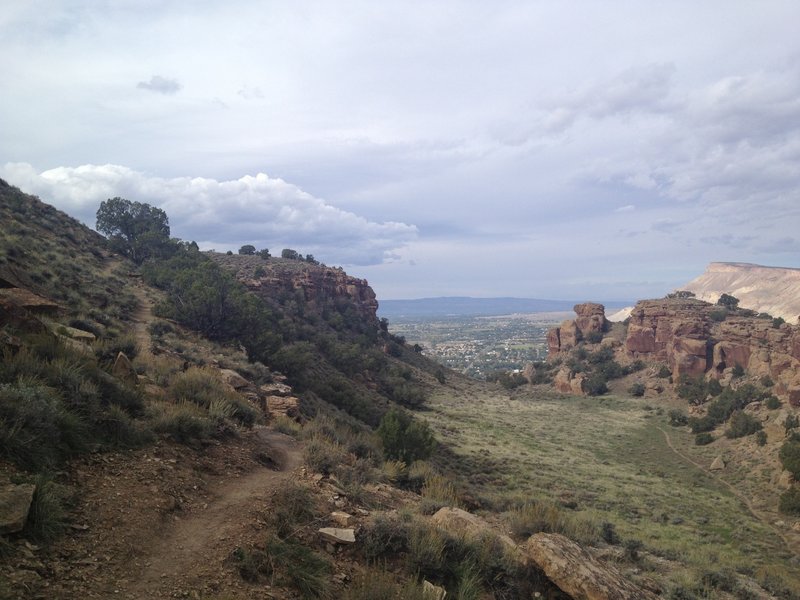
791	545
143	316
188	555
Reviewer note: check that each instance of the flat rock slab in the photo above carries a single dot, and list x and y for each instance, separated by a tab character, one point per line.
123	369
575	571
337	535
15	502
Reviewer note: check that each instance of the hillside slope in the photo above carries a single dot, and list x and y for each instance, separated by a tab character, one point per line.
773	290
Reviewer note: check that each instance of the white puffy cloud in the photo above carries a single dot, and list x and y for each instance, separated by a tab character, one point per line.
259	210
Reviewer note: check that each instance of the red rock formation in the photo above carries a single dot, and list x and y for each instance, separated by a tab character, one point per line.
683	334
673	331
317	285
590	317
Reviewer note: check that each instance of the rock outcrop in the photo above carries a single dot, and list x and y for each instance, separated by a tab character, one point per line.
699	339
316	285
590	318
575	571
673	331
569	383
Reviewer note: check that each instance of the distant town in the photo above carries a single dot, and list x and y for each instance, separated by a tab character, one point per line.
478	346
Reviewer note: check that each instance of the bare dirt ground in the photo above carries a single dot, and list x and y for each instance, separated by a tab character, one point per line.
162	522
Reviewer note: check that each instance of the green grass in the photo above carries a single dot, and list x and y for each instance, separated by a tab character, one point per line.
608	460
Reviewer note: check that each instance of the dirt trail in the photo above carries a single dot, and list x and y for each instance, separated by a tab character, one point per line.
791	545
142	318
190	553
143	315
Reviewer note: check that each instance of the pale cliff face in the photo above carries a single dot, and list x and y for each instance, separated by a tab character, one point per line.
773	290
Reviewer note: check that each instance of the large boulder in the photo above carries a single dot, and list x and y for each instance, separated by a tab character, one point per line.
233	379
575	571
15	503
463	523
689	356
567	383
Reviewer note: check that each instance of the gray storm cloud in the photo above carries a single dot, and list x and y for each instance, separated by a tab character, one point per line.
160	85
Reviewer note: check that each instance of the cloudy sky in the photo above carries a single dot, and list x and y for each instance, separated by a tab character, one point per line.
570	150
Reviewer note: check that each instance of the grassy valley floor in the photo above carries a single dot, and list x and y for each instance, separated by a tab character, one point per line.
609	459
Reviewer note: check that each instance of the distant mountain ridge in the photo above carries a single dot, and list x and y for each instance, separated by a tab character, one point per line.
773	290
463	306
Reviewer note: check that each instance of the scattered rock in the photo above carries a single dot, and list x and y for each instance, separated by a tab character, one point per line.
337	535
342	518
123	369
233	379
718	464
15	502
575	571
433	592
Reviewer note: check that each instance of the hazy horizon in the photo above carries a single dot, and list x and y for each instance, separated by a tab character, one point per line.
512	149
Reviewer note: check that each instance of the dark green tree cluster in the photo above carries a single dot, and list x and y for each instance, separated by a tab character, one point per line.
136	230
695	390
728	301
790	455
726	404
404	437
209	300
741	424
507	379
599	367
789	501
682	294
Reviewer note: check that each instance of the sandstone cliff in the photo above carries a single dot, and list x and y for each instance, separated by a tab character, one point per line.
590	318
773	290
316	285
693	338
